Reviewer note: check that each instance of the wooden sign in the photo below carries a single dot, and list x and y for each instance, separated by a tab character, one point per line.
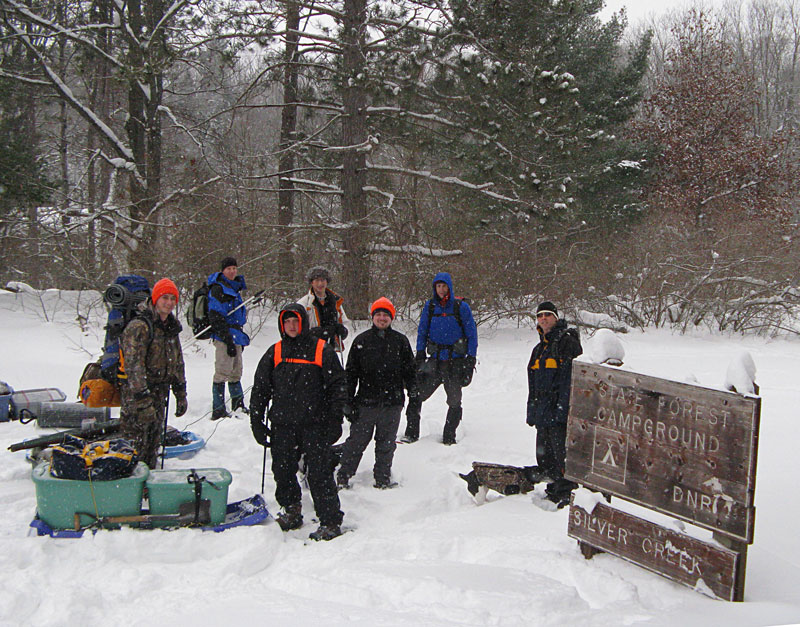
681	449
704	566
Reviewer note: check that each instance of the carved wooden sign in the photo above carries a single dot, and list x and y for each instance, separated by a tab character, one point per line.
681	449
704	566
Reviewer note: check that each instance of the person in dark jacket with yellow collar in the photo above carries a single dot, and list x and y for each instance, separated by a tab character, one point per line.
303	383
549	380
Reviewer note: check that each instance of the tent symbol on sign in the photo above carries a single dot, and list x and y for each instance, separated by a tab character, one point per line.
610	454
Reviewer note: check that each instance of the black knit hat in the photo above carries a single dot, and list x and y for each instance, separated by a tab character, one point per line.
547	307
318	272
228	261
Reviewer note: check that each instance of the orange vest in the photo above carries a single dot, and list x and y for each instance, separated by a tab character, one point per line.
278	358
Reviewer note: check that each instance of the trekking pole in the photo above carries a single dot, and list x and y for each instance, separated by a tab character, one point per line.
263	469
255	298
164	431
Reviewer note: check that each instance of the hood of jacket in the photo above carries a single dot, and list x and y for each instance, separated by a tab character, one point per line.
300	311
442	277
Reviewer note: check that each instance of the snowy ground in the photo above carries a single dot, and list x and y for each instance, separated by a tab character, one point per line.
422	554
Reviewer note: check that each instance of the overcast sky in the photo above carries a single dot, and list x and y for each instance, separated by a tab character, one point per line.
640	9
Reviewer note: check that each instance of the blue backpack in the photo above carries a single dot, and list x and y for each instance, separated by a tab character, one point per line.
122	297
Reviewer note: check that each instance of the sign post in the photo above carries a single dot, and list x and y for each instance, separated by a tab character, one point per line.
682	450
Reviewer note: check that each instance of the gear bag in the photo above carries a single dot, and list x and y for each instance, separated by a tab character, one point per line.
197	314
103	460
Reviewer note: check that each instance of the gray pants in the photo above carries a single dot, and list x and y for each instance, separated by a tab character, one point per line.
226	368
383	422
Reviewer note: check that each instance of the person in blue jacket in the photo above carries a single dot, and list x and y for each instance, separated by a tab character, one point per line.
227	319
447	345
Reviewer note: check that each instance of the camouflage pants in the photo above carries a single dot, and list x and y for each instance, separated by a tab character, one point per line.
145	434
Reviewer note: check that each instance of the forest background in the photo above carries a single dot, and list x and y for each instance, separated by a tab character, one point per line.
529	147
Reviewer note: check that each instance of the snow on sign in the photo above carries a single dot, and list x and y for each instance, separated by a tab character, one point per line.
680	449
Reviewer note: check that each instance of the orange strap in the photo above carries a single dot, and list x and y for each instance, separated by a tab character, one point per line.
278	358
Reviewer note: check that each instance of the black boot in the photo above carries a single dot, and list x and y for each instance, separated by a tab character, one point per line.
412	421
450	425
326	532
291	517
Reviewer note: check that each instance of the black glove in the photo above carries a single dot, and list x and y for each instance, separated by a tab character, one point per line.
421	356
341	331
530	415
181	405
261	432
231	349
469	362
350	412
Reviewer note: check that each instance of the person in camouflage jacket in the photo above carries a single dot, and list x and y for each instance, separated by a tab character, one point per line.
152	361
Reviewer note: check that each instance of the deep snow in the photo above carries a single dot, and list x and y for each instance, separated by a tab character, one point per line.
421	554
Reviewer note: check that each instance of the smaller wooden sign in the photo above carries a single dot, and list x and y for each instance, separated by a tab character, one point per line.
704	566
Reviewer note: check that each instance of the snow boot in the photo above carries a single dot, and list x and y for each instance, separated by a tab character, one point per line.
385	484
412	422
218	401
342	482
237	397
450	425
291	517
326	532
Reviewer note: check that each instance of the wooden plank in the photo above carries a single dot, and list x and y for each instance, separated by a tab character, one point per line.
701	565
684	450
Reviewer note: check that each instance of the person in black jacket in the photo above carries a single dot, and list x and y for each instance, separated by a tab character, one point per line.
549	380
379	366
303	383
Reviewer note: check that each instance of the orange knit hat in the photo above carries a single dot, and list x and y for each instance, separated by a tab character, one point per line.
164	286
382	303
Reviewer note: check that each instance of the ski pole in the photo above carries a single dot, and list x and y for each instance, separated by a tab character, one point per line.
164	432
253	298
263	469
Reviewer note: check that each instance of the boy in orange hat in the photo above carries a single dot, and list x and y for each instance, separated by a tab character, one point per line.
379	366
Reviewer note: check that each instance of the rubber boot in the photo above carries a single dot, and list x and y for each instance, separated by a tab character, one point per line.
450	425
218	401
237	396
291	517
412	421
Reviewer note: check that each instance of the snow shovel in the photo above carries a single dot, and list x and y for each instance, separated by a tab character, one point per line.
190	513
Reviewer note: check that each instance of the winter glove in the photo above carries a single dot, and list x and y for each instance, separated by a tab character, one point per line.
530	415
231	349
261	432
468	368
181	405
350	412
421	357
341	331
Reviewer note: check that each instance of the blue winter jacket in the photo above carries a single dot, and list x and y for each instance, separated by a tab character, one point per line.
220	306
443	329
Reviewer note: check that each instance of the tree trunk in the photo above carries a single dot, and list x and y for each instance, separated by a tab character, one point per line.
286	162
354	135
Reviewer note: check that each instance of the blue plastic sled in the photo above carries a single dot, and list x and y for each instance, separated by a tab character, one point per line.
185	451
244	513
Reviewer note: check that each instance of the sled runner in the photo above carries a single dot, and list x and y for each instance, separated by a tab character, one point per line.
250	511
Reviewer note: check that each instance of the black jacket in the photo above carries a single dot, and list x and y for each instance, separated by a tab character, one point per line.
299	393
550	375
379	366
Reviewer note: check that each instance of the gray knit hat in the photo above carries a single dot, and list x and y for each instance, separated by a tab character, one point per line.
318	272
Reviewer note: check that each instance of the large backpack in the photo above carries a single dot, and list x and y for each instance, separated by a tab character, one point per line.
99	383
123	296
197	314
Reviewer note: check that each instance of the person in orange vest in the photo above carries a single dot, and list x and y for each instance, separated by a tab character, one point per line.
303	384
